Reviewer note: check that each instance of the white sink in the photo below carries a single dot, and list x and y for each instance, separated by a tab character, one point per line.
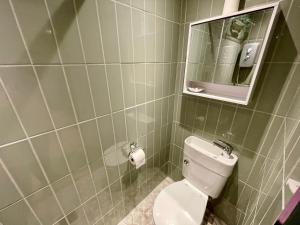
210	156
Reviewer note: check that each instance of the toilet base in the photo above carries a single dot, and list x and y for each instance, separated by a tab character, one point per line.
179	203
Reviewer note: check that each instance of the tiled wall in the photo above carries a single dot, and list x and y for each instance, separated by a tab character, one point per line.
78	81
266	133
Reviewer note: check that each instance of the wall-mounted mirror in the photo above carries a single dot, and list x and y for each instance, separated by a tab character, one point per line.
225	53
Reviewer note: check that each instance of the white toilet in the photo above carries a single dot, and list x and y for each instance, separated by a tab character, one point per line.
206	169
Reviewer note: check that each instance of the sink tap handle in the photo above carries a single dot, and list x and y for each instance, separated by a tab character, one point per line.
224	145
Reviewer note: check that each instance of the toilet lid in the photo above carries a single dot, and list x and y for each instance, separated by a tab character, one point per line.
179	203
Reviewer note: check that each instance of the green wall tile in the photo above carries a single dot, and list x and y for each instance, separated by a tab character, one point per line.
99	87
66	194
55	88
66	30
91	140
109	30
45	206
37	31
34	113
25	216
73	147
89	29
50	153
9	193
13	49
9	120
23	166
78	83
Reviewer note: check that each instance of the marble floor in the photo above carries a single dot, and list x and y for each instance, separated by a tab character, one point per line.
142	213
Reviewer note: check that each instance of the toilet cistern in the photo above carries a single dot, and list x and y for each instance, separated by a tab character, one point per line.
205	169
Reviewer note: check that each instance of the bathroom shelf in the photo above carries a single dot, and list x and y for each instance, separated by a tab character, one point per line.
224	85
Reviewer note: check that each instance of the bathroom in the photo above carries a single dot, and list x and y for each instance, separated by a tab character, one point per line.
87	86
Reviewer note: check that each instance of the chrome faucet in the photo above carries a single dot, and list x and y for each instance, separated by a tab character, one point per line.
223	145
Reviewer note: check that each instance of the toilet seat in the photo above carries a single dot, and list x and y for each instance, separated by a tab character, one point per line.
179	203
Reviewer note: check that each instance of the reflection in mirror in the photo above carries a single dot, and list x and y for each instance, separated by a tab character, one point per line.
224	52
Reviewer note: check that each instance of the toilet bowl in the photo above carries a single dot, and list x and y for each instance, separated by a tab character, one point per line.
179	204
206	169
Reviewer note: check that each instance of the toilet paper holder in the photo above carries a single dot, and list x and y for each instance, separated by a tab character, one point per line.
136	156
133	147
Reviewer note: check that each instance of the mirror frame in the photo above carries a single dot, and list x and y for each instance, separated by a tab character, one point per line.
260	57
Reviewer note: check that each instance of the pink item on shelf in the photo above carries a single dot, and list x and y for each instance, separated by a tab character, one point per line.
290	207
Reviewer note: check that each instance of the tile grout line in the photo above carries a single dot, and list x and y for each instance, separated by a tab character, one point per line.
46	105
281	190
233	119
237	145
293	148
146	83
123	98
269	208
45	176
266	157
145	79
154	82
109	100
73	109
117	63
79	123
195	115
260	192
204	125
93	105
66	64
76	119
169	88
263	141
84	202
133	72
218	121
108	212
19	192
293	100
283	167
276	161
75	115
240	106
134	64
143	10
288	138
179	64
162	82
272	145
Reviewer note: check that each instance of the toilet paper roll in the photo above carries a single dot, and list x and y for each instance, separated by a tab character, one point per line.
137	158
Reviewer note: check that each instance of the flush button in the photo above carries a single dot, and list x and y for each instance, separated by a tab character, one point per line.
186	162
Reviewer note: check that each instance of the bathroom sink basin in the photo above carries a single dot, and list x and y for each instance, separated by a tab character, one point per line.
210	156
